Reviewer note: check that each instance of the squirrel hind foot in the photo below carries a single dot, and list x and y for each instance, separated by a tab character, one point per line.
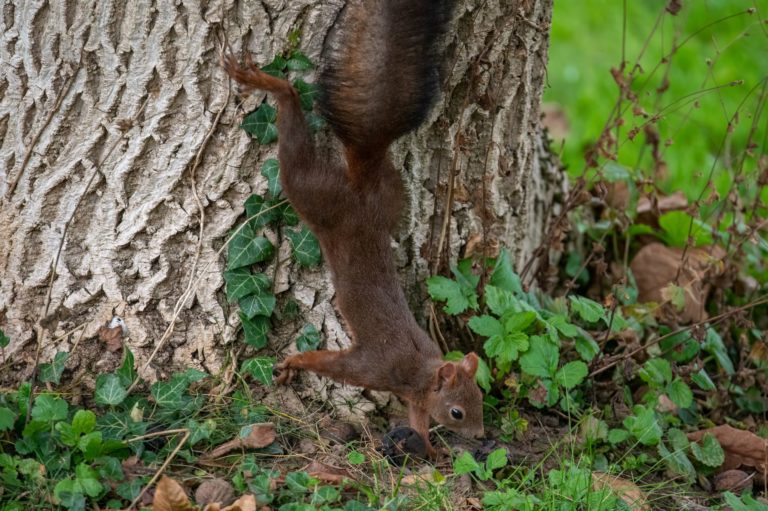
287	373
250	77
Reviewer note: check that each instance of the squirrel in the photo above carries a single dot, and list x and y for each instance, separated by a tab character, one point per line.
378	82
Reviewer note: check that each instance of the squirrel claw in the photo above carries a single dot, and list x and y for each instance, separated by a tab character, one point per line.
286	373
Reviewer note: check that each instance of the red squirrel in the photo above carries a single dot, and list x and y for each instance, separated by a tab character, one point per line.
378	82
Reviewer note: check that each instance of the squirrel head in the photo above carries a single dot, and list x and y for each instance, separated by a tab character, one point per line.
455	400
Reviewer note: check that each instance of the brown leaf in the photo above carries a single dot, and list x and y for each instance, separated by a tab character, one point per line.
625	490
328	473
244	503
112	337
735	481
258	436
170	496
216	491
650	208
657	266
742	448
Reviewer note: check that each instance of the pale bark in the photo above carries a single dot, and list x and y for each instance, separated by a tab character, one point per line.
73	74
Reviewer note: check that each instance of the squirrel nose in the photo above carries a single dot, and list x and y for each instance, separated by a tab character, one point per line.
480	433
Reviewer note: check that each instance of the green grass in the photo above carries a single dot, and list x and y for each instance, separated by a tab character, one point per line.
719	44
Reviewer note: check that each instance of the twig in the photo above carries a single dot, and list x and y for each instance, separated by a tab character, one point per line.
165	463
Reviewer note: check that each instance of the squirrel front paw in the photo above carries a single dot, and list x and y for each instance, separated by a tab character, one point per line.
287	373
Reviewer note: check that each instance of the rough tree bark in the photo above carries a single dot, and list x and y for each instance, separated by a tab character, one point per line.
106	106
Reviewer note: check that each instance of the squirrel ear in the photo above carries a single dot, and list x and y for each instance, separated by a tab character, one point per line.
469	363
446	373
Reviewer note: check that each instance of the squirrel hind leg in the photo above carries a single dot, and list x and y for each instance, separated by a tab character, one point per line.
251	78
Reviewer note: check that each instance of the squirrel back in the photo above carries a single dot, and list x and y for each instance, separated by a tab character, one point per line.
380	73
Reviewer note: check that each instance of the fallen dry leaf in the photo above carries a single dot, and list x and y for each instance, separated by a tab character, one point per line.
244	503
649	210
625	490
216	491
742	448
656	266
735	481
257	436
112	337
170	496
328	473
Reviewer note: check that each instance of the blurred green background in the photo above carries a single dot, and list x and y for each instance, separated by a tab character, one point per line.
719	68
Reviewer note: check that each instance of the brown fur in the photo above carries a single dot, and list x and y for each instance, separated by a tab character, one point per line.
352	204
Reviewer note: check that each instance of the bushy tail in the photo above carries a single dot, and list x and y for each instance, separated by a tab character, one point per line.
380	71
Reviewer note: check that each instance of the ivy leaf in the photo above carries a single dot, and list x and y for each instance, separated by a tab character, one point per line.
446	290
288	214
588	310
307	93
4	340
571	374
52	372
260	124
487	326
306	248
271	170
109	390
241	282
709	451
299	62
127	371
260	212
255	330
309	339
48	408
680	393
541	359
643	425
260	303
276	67
259	368
247	248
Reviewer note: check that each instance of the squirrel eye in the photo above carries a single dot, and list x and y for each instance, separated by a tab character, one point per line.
457	414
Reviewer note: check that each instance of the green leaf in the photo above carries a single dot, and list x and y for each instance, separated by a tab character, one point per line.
275	68
571	374
288	214
588	310
260	124
678	439
309	339
501	301
306	248
680	393
483	375
69	494
677	225
586	346
703	380
199	431
241	282
519	322
677	462
613	171
258	304
643	425
7	418
616	436
504	276
681	347
255	330
88	479
496	459
109	390
4	340
260	211
271	170
299	62
487	326
446	290
356	458
246	248
656	371
307	93
744	503
675	295
506	348
83	422
90	445
562	325
708	451
541	359
127	371
52	372
465	464
259	368
48	408
713	344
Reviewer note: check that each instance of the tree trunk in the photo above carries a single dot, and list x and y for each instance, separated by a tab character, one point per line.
123	167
